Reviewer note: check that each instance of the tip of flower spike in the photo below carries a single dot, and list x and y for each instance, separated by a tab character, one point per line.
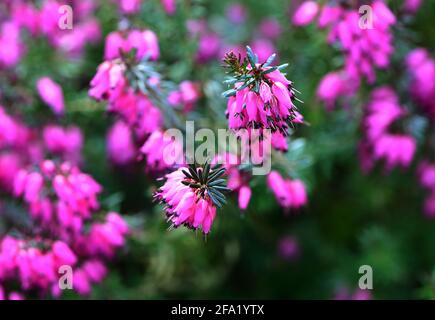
207	182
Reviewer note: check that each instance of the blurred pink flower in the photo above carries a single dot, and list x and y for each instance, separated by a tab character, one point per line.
145	42
264	49
51	93
11	48
422	70
65	142
129	6
108	81
395	149
236	13
186	95
358	294
73	42
170	6
238	180
333	86
306	13
208	46
412	6
288	248
120	145
161	152
270	28
288	193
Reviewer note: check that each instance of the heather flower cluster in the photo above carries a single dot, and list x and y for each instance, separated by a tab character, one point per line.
427	181
62	201
421	67
366	45
262	96
385	141
289	193
134	93
43	21
394	127
191	196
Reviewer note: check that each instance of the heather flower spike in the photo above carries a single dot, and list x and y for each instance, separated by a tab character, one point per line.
206	182
261	97
191	195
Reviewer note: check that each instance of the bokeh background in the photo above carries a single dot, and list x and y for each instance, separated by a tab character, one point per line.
351	219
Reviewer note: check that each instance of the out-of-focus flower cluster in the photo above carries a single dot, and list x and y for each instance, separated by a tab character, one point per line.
365	44
366	41
381	142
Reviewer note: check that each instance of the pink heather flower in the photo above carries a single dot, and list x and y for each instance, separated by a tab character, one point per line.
426	172
170	6
26	16
238	180
73	42
120	144
184	207
16	296
264	101
422	69
358	43
75	194
65	142
208	47
191	196
108	81
427	175
363	49
383	110
145	42
329	15
306	13
333	86
148	118
412	6
12	132
244	197
187	95
34	268
129	6
51	93
289	193
105	238
95	270
81	282
288	248
429	206
10	164
11	48
236	13
162	152
263	48
270	28
49	18
343	294
279	141
395	149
